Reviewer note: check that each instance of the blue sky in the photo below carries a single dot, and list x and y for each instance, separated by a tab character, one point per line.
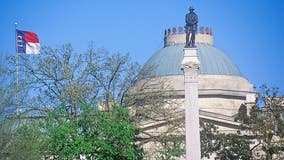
251	32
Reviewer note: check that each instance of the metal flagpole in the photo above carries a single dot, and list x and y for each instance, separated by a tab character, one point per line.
17	67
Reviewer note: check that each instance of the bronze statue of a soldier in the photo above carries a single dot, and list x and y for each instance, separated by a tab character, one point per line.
191	20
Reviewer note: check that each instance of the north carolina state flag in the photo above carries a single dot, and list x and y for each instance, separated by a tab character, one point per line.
27	42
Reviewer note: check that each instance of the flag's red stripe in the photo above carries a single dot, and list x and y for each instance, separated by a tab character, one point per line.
31	37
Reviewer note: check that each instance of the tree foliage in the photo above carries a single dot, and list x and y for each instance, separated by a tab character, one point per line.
171	148
233	146
209	139
61	77
225	146
265	123
20	140
94	134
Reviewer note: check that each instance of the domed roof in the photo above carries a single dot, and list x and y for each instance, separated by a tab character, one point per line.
167	61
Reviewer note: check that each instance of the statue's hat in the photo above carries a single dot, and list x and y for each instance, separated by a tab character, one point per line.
191	8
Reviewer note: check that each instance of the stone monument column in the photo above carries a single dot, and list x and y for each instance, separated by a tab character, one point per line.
190	66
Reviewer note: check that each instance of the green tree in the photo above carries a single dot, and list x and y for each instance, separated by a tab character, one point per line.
233	146
171	148
266	124
21	140
209	139
60	76
95	134
226	146
26	142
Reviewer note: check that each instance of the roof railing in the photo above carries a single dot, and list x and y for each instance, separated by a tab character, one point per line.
181	30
